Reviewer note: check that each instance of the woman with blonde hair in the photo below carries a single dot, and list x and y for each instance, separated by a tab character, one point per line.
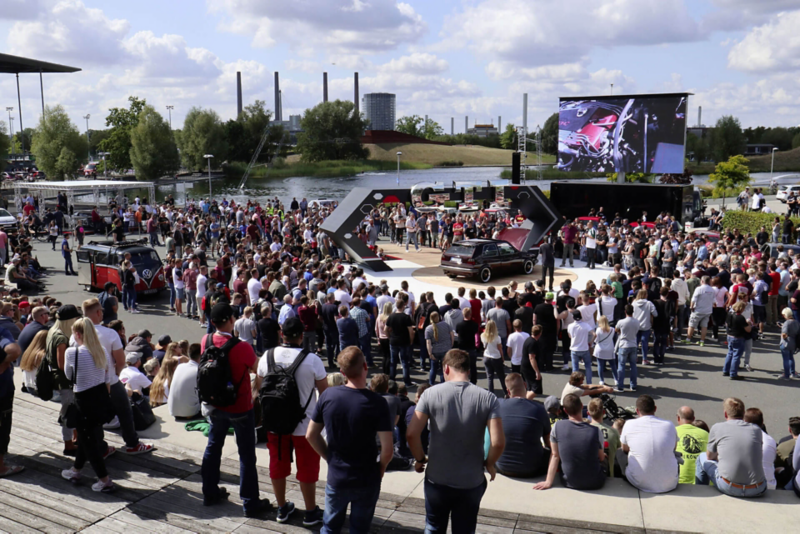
383	335
91	369
493	356
604	349
32	358
439	338
56	345
159	390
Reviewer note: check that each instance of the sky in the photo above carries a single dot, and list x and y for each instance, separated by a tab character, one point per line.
443	58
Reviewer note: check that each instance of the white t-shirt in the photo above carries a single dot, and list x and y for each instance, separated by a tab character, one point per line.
604	344
202	280
769	449
606	305
579	336
343	297
514	343
110	341
307	374
253	287
184	402
652	465
587	314
133	377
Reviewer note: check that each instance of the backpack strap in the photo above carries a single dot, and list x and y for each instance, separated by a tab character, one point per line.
293	369
271	359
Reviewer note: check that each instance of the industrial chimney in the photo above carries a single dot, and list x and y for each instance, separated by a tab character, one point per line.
452	125
466	124
324	86
355	101
699	116
277	99
238	94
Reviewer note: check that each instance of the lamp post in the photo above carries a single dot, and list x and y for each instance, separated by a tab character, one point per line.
612	88
208	157
169	109
105	167
87	116
772	164
10	126
398	167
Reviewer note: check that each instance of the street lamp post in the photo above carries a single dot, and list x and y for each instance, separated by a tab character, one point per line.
105	167
87	116
398	167
169	109
772	164
208	157
612	88
10	127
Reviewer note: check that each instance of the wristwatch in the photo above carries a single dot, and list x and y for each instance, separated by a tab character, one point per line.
423	461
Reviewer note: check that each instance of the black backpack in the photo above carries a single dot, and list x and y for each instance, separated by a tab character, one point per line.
45	380
279	396
214	379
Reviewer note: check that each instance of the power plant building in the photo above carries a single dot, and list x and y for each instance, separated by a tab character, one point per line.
483	130
379	110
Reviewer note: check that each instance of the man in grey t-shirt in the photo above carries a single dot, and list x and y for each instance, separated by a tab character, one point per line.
501	318
733	460
627	328
459	413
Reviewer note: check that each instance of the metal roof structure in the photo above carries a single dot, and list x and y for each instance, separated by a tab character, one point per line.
15	65
73	187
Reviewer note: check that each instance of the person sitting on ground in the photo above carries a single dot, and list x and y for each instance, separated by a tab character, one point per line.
151	369
159	390
611	442
647	459
578	447
783	460
132	376
526	426
183	400
733	460
769	448
161	348
576	386
692	440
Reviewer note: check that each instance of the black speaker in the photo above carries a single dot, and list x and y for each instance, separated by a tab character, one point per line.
516	161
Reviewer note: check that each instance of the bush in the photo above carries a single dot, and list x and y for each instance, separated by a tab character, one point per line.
450	164
751	222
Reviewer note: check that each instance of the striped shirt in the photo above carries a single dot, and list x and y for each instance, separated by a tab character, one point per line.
360	316
89	375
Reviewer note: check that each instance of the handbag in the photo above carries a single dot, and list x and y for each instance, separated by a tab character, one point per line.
143	415
96	399
45	380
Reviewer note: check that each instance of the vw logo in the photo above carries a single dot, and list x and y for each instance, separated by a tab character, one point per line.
146	273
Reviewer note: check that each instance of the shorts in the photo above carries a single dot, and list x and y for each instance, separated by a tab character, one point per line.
759	314
280	461
180	292
699	320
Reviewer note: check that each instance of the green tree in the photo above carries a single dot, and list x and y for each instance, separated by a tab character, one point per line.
431	130
5	142
95	138
58	146
780	137
244	134
153	150
730	175
331	131
550	135
118	142
796	141
508	139
202	134
411	125
697	146
727	139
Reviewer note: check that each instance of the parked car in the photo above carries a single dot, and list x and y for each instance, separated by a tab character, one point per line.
90	170
784	190
6	219
485	258
7	176
99	262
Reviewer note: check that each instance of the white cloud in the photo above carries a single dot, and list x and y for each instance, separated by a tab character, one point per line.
774	46
303	65
20	9
543	32
734	15
417	63
344	25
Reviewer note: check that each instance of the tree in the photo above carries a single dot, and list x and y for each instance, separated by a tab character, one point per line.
796	141
431	130
58	146
96	137
697	146
550	135
730	175
508	139
410	125
153	150
244	134
727	139
122	122
331	131
202	134
5	142
780	137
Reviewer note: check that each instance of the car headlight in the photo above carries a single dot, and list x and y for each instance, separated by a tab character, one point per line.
160	277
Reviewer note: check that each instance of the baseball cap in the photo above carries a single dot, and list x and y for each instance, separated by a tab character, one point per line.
549	296
145	333
551	403
292	328
528	285
221	313
164	340
220	285
132	357
67	312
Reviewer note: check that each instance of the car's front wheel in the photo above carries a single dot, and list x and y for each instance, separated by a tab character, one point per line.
527	267
485	274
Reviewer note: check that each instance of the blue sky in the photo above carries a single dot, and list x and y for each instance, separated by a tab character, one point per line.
444	58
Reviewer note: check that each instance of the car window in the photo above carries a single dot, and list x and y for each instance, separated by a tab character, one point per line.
4	213
101	258
83	256
138	258
460	250
489	251
506	249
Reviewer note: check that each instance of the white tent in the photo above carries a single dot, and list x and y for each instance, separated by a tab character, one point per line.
73	187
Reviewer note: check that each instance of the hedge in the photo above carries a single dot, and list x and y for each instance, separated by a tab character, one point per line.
751	222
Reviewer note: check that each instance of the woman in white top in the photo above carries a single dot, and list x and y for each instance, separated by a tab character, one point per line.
91	369
493	356
53	229
604	349
32	358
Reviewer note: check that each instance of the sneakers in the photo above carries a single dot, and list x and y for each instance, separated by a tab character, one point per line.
566	367
645	362
618	389
748	368
602	383
258	508
784	377
105	487
312	517
701	344
796	375
139	448
633	388
71	474
285	511
109	451
222	495
737	377
113	424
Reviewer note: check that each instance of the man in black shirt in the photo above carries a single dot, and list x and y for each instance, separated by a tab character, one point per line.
330	313
548	260
739	331
788	228
762	236
532	354
268	328
524	314
544	316
467	332
401	331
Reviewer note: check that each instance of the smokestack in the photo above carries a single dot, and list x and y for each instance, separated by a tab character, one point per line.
324	86
452	125
277	99
280	102
498	123
466	124
426	122
525	113
355	81
699	116
238	94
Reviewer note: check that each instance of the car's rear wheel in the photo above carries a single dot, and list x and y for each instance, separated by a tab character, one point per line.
485	274
527	267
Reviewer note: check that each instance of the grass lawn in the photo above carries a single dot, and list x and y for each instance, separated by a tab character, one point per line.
325	169
437	155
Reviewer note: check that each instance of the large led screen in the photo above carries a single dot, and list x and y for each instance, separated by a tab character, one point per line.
637	133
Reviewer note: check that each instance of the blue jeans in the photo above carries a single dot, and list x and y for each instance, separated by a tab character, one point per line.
788	362
659	347
244	427
366	347
68	268
586	357
362	503
643	338
706	470
626	355
444	502
331	347
154	239
601	368
172	297
735	352
403	355
423	349
129	297
436	369
412	238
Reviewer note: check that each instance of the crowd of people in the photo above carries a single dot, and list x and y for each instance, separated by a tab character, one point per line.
273	292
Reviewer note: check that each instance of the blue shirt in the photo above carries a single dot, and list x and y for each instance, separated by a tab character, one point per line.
348	332
65	248
287	312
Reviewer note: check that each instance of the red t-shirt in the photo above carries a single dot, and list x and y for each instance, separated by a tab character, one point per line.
776	283
476	305
242	358
27	209
458	228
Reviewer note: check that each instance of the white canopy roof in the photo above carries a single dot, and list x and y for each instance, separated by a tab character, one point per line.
86	184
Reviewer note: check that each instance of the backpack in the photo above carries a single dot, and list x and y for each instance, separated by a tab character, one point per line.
279	396
214	380
45	380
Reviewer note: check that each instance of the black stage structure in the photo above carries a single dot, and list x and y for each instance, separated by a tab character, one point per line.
542	216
